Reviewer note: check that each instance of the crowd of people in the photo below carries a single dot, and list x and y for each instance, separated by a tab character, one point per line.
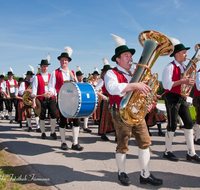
39	92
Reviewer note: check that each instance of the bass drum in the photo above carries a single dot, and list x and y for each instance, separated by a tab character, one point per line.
77	100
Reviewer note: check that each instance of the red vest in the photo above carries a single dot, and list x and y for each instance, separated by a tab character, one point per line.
196	92
41	85
176	76
104	88
59	79
8	84
121	79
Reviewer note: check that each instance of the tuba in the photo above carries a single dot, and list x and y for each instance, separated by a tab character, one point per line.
26	98
134	105
186	89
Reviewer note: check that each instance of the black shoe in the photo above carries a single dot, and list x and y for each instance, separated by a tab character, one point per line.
170	156
2	118
64	146
77	147
150	134
38	130
87	130
197	141
30	129
152	180
20	124
54	136
96	122
104	138
11	121
7	118
124	179
196	157
43	136
160	133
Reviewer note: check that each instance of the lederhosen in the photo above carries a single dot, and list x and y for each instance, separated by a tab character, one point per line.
59	83
196	103
124	131
106	124
12	98
21	110
176	104
1	98
46	103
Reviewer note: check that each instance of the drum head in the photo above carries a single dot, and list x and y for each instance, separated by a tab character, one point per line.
68	100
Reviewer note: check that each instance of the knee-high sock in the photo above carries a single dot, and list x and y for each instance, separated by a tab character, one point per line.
62	134
10	115
120	159
29	122
1	114
189	141
75	132
196	131
42	125
85	123
168	141
53	125
37	122
144	157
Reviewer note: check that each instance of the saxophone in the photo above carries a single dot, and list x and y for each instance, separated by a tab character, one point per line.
134	105
186	89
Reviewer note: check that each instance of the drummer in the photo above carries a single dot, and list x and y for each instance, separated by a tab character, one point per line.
40	87
56	81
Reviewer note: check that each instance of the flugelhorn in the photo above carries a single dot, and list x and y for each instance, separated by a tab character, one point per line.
186	89
134	105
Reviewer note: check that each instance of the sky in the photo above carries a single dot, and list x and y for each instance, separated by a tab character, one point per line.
30	29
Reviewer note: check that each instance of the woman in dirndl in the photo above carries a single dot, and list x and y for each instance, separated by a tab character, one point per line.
105	123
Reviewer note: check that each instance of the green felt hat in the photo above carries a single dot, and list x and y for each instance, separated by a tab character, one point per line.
121	49
10	73
79	73
1	76
44	62
177	48
20	79
95	72
29	73
106	67
65	54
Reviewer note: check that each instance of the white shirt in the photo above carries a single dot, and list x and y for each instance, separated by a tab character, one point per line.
99	84
52	81
112	84
35	83
197	81
13	89
3	86
168	74
22	88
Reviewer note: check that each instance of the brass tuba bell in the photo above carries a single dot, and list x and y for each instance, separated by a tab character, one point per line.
134	105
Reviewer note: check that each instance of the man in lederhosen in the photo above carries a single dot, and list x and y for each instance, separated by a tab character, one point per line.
56	81
40	87
11	92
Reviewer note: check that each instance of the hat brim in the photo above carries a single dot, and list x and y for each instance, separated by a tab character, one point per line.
122	51
176	51
45	64
64	56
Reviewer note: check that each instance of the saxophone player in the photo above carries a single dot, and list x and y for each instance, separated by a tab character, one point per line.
176	104
117	84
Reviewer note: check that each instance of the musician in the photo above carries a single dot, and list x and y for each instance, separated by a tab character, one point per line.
20	105
40	87
96	114
105	124
2	95
56	81
196	104
117	84
79	76
176	104
11	92
23	89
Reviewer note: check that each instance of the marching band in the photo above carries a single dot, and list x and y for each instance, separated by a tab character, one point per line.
44	91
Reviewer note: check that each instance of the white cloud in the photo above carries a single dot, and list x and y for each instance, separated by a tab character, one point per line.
177	3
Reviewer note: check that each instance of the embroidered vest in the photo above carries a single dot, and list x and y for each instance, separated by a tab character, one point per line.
9	86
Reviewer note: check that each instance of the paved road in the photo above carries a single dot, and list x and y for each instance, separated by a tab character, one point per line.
95	166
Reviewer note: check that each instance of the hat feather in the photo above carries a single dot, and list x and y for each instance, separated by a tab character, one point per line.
96	69
3	73
174	41
78	68
10	69
119	41
31	67
23	75
68	50
48	57
105	61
